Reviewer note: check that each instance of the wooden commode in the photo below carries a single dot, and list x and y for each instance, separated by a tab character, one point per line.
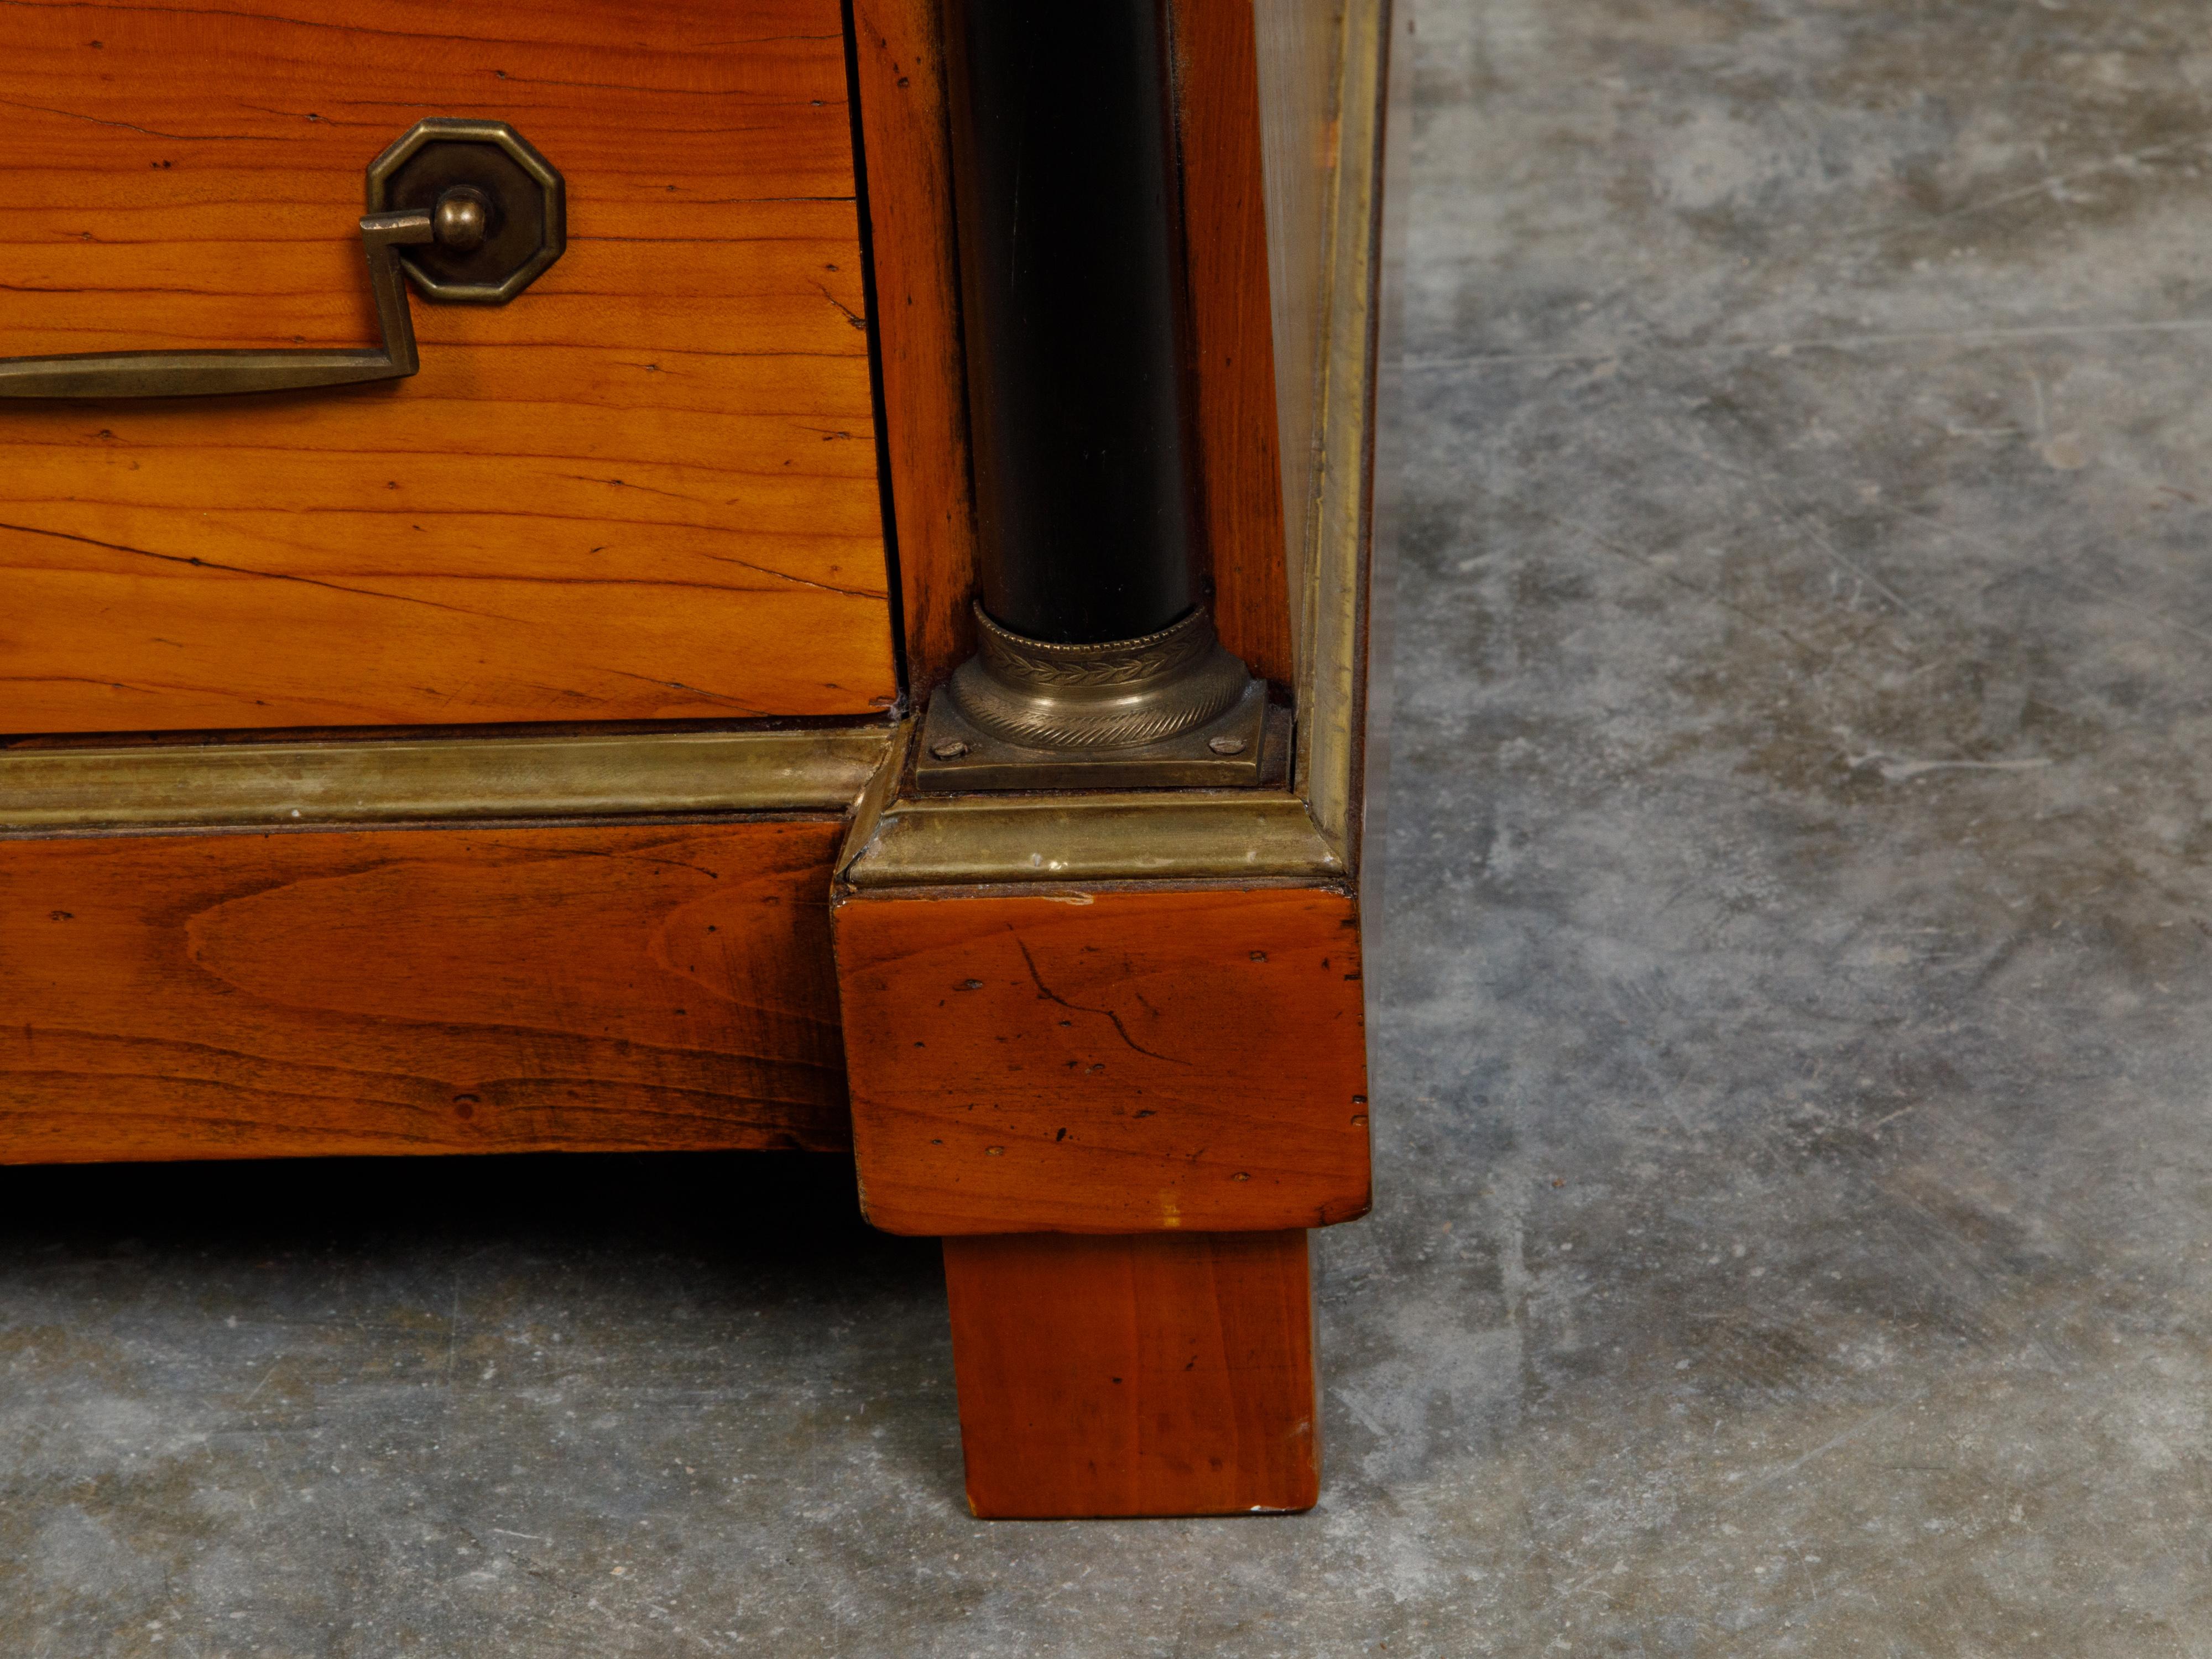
783	575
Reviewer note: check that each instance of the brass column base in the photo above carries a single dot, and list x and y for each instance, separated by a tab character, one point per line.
1171	710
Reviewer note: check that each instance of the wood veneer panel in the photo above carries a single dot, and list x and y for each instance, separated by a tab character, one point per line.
899	66
1232	331
418	991
1158	1374
645	488
1112	1062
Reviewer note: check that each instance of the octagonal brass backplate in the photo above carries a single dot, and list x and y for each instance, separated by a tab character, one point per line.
524	221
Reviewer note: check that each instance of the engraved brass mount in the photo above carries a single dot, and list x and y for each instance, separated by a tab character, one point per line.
1172	709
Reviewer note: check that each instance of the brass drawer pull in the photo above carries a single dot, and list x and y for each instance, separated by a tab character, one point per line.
490	208
205	373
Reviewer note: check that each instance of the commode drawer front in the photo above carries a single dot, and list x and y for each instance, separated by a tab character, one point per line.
584	988
642	487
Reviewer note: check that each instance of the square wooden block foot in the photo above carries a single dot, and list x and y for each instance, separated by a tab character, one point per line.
1151	1373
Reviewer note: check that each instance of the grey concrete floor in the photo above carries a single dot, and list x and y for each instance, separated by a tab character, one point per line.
1795	1144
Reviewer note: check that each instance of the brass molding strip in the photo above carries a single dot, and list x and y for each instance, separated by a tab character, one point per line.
1160	835
1193	835
384	781
1331	713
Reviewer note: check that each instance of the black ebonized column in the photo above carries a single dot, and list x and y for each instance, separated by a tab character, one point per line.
1070	293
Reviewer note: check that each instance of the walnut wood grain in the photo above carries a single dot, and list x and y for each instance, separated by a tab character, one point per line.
645	488
638	988
899	69
1112	1062
1154	1374
1232	337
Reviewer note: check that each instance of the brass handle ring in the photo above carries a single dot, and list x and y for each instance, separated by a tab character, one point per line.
210	374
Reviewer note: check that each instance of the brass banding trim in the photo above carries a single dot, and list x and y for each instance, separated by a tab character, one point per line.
384	781
1152	835
1333	670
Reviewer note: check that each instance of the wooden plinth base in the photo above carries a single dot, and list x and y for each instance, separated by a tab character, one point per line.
1151	1374
1022	1064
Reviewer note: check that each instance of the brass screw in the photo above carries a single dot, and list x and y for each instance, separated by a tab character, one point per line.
948	748
1225	745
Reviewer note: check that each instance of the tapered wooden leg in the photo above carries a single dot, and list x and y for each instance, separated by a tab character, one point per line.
1157	1374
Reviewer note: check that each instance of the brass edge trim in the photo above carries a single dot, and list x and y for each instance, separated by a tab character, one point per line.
1194	834
868	811
370	780
1329	703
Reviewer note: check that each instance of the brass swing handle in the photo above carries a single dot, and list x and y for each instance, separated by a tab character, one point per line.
212	373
